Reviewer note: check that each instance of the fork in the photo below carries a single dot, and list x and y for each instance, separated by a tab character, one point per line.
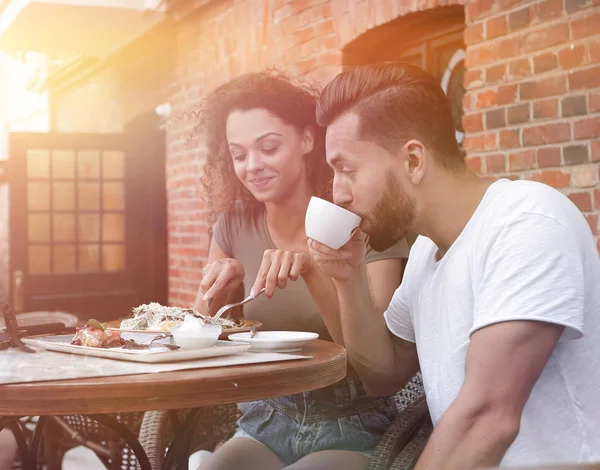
224	308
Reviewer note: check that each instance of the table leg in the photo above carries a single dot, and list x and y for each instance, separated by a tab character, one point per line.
178	450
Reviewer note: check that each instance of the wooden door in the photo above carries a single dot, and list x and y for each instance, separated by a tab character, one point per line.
86	214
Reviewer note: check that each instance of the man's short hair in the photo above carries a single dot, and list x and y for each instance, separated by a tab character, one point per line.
395	102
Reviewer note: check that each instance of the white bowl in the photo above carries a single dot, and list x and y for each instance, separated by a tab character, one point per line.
329	224
275	341
204	337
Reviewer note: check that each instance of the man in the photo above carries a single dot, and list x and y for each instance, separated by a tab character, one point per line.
500	302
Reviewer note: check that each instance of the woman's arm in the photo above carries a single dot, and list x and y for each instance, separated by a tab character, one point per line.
221	280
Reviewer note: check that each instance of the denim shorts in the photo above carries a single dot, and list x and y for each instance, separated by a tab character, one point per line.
338	417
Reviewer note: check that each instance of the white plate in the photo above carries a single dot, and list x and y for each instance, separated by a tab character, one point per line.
62	343
279	341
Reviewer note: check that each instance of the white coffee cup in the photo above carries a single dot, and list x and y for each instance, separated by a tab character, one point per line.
329	224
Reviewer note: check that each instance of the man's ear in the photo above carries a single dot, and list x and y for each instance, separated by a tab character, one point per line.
415	162
308	140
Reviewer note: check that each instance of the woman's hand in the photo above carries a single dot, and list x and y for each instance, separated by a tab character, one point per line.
220	277
340	264
278	266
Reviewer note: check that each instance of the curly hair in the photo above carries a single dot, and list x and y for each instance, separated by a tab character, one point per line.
292	101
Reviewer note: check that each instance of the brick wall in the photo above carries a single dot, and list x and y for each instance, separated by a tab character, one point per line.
532	105
533	101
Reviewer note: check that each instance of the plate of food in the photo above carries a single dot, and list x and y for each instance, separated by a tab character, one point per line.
157	318
94	339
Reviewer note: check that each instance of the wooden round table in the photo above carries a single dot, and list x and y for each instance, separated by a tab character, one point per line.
175	390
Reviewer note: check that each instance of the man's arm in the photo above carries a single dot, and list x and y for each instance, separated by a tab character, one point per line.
503	364
384	277
384	362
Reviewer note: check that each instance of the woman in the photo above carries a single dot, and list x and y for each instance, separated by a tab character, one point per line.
265	159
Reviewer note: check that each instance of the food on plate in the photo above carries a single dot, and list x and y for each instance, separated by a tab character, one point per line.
94	334
157	317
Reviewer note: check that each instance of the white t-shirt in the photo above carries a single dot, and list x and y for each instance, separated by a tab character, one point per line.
527	253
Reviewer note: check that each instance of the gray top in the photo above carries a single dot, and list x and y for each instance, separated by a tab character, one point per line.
244	235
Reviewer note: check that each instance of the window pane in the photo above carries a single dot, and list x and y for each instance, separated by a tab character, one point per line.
39	259
64	227
64	259
113	258
63	164
39	227
113	165
89	196
89	227
38	196
38	163
88	165
89	258
63	198
113	198
113	227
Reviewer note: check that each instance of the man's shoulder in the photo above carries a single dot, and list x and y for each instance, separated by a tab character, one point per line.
515	203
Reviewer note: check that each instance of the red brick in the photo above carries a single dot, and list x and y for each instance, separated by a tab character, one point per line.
545	37
491	141
495	118
519	19
548	156
545	62
584	176
506	94
495	27
588	26
546	134
474	34
596	198
548	9
574	5
584	79
572	56
518	114
574	106
575	154
520	68
522	160
496	73
545	109
509	48
474	163
595	51
474	142
543	88
485	99
467	101
594	102
473	78
587	128
473	122
596	151
556	178
481	54
509	138
583	200
495	163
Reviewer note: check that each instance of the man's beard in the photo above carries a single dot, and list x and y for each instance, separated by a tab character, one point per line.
392	216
